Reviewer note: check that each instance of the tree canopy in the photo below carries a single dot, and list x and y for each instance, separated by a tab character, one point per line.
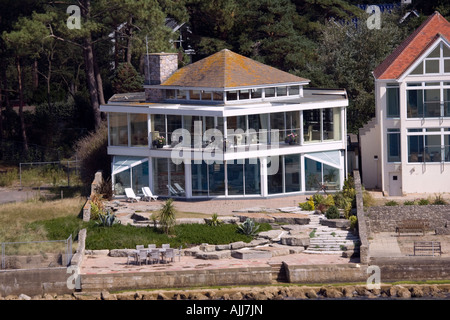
67	73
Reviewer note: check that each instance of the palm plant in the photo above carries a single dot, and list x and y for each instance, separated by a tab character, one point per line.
167	216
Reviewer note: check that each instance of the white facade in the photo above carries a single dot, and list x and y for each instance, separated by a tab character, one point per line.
229	142
411	130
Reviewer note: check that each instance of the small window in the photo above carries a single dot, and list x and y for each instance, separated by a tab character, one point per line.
206	95
256	93
395	178
446	51
217	96
181	94
194	94
281	91
393	102
170	94
244	94
232	95
269	92
431	66
294	90
436	53
446	65
418	69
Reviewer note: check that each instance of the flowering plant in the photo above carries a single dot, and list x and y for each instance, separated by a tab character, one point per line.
291	137
159	140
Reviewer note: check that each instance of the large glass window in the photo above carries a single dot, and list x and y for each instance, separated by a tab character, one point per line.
331	124
415	149
138	130
235	176
118	129
393	145
312	125
392	101
173	122
275	181
313	174
129	172
216	173
158	123
252	176
160	176
292	173
322	170
199	179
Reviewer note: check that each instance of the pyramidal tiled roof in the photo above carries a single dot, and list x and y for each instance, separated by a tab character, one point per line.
226	69
413	46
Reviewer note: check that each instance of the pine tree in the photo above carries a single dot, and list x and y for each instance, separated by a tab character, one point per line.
127	79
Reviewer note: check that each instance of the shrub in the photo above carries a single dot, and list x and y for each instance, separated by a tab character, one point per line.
92	154
391	203
423	202
308	205
409	203
353	222
439	200
333	213
318	199
107	220
214	222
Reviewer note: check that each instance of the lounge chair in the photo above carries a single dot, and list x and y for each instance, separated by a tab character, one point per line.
172	191
148	195
130	195
180	189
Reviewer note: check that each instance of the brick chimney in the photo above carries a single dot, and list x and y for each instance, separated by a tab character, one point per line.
158	68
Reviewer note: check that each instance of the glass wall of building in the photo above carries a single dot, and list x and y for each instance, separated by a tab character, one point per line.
168	178
139	130
275	181
322	169
312	126
292	171
118	129
129	172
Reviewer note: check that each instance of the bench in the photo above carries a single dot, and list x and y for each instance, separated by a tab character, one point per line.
427	248
411	226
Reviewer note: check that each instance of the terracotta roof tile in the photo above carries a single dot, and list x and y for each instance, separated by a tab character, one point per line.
226	69
412	47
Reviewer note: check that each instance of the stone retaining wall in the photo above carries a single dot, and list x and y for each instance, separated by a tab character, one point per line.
362	223
177	279
385	218
412	268
332	273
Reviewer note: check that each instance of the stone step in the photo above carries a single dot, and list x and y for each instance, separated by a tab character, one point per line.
313	240
339	252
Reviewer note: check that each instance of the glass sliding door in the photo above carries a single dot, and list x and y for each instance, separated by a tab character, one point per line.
160	176
275	181
129	172
235	177
118	129
312	126
252	176
138	130
199	180
292	173
216	175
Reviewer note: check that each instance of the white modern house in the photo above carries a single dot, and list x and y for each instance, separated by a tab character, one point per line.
226	127
405	148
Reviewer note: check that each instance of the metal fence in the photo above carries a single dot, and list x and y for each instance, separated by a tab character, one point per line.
56	173
36	254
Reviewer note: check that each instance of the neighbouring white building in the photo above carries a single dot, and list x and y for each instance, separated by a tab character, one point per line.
405	148
226	127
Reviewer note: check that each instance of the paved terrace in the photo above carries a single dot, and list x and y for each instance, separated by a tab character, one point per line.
103	264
